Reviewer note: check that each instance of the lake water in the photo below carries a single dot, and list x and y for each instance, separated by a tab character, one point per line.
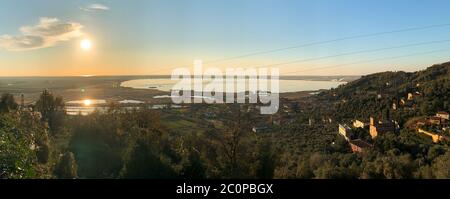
83	110
78	107
286	86
91	101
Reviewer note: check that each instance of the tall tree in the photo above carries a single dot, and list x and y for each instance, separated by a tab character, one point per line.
51	109
67	167
233	141
266	161
7	103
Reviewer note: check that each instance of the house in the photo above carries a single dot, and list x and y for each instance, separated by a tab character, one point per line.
435	120
359	146
443	115
394	105
435	137
380	127
410	96
310	121
421	122
405	102
383	94
344	130
359	124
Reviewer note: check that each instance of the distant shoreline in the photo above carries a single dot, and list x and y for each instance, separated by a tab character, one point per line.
347	78
109	87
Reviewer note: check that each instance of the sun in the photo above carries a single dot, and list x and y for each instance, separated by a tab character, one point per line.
86	44
87	102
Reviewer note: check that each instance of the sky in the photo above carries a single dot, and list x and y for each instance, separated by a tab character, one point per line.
152	37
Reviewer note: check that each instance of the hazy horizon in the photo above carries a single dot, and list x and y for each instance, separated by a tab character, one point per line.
164	76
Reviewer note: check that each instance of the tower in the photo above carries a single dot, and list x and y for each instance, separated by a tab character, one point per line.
372	121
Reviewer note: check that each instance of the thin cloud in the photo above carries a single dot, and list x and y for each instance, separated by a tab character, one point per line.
47	33
95	8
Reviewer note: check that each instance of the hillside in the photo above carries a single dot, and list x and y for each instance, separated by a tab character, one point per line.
400	81
311	147
377	93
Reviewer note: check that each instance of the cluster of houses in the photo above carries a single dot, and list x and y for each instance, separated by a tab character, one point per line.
407	103
374	128
437	127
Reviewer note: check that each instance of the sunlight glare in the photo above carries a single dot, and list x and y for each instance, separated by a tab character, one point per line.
87	102
85	44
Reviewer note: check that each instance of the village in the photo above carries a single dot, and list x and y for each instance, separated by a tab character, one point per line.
435	126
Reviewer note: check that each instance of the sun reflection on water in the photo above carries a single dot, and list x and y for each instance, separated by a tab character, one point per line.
87	102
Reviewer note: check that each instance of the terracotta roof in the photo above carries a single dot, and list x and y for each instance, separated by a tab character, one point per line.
435	118
360	143
442	112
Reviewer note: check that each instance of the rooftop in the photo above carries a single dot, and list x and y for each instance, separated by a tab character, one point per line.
360	143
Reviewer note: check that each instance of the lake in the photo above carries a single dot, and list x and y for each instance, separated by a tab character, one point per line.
85	107
286	86
80	107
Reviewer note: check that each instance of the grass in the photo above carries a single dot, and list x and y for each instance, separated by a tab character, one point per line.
182	124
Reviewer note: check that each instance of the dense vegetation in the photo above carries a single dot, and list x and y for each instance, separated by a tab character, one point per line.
360	98
43	142
123	144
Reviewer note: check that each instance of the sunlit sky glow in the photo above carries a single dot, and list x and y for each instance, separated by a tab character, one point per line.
44	38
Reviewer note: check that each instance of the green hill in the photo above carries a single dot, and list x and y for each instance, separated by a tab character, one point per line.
375	94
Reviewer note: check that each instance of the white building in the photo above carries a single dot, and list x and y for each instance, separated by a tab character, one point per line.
344	130
443	115
359	124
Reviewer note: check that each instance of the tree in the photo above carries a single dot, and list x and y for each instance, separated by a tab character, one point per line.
266	161
435	151
43	153
143	162
46	105
7	103
441	166
340	145
51	109
234	142
148	154
16	157
304	170
194	168
67	167
388	167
